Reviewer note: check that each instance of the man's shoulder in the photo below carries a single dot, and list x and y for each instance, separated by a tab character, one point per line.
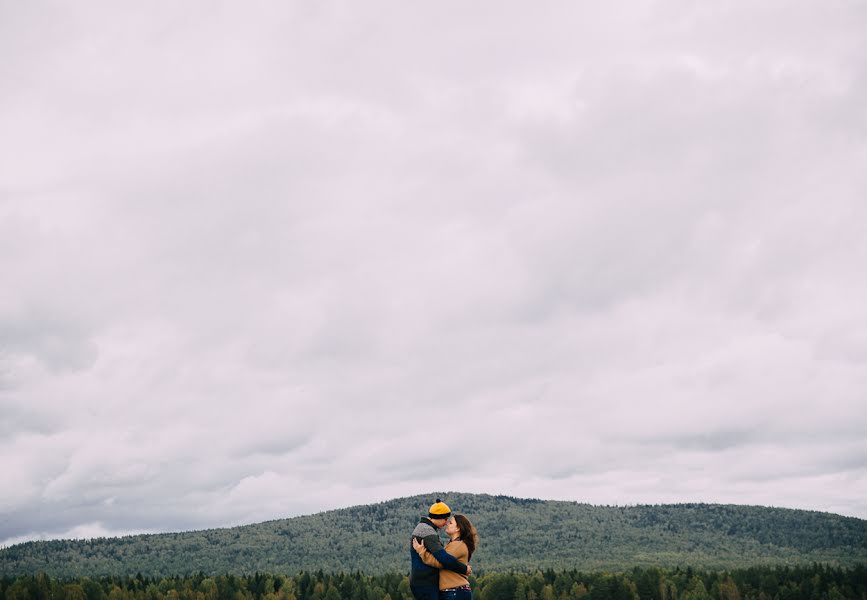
423	530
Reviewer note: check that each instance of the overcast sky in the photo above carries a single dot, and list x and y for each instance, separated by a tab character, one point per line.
265	259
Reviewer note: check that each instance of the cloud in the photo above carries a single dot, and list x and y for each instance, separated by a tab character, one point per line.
264	264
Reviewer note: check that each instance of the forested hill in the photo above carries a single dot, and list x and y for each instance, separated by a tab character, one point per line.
515	534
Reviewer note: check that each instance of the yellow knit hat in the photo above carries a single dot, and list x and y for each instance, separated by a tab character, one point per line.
439	510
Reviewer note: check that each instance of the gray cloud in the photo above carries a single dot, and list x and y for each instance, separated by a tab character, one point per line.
265	264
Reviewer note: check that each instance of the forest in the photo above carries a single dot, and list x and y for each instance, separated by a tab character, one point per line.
813	582
516	534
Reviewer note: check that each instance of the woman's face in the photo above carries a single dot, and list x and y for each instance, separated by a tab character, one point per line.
451	526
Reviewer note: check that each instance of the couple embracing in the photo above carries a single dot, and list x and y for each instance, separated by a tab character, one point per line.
440	573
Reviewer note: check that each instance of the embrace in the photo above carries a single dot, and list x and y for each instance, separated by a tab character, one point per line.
440	573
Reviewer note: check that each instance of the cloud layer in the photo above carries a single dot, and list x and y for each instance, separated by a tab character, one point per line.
265	261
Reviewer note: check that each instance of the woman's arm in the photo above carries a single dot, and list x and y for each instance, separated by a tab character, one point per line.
434	546
426	556
441	558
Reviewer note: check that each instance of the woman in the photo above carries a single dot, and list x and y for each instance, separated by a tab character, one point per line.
462	544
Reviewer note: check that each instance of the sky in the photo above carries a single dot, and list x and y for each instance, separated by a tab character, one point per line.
264	259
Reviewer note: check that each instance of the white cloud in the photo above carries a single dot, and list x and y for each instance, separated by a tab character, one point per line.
259	264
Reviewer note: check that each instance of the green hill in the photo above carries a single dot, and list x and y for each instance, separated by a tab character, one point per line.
515	534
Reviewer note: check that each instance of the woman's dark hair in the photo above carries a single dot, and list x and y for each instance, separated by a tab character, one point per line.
469	535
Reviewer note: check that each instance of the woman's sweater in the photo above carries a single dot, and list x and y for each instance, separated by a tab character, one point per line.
449	579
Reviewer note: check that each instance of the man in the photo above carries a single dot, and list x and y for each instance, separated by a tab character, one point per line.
424	580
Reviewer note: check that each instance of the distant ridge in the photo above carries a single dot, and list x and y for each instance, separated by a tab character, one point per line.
516	534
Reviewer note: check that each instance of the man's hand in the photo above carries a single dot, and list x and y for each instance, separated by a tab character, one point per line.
469	570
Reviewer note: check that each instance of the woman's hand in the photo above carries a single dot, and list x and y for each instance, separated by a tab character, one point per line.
417	545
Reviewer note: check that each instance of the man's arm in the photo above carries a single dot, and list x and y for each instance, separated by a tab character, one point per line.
433	545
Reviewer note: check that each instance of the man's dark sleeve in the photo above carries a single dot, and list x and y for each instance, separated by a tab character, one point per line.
433	545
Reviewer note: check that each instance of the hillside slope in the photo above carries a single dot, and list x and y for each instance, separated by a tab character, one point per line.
516	534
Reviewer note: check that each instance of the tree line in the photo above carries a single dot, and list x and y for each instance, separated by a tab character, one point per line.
813	582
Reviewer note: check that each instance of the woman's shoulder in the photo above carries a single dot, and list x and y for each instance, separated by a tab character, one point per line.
457	548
